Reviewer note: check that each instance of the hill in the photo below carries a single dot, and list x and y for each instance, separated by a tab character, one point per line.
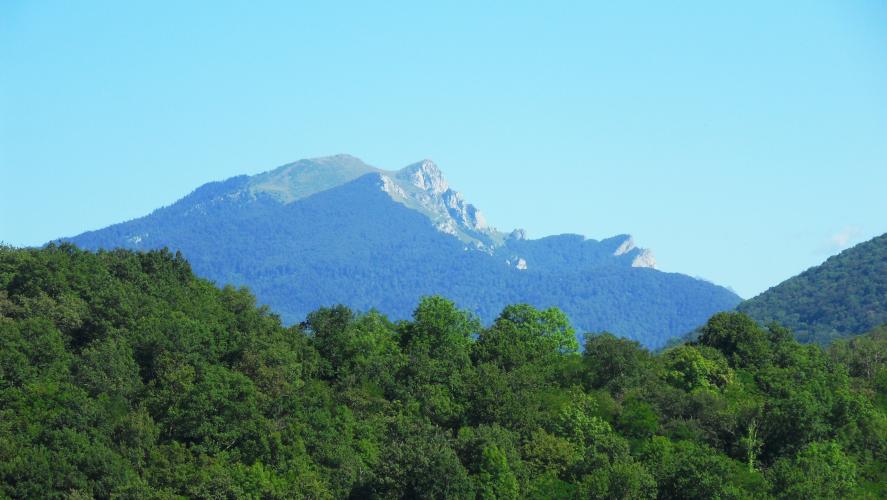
124	375
335	230
844	296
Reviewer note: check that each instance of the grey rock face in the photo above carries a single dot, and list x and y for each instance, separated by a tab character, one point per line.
426	176
518	234
644	259
466	213
428	190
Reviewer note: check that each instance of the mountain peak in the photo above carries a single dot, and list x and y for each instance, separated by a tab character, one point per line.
337	160
420	186
626	246
642	256
297	180
645	258
426	176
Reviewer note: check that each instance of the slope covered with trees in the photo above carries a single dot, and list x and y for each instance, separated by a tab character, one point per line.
844	296
121	374
359	244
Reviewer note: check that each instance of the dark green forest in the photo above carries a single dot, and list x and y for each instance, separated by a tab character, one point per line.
123	375
844	296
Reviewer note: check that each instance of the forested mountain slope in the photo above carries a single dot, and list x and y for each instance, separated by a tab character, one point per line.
844	296
334	230
124	375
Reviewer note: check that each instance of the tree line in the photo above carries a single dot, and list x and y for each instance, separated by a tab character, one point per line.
123	375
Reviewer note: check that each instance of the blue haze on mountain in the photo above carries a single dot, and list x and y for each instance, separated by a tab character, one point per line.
334	230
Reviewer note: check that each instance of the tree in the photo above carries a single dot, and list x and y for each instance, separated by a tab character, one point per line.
614	363
820	470
690	367
108	366
495	479
686	470
738	337
523	335
437	345
123	375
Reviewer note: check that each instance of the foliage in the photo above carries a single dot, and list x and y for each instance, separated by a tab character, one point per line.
844	296
123	375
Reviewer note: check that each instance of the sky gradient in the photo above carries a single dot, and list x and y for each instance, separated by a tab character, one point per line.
742	143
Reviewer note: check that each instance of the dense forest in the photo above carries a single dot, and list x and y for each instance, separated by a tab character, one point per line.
124	375
844	296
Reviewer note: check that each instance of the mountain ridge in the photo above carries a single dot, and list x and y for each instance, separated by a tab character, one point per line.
384	238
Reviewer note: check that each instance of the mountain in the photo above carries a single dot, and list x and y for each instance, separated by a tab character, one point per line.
844	296
335	230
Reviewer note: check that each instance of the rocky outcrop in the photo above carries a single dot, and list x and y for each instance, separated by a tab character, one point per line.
644	259
465	213
518	235
426	176
625	247
426	187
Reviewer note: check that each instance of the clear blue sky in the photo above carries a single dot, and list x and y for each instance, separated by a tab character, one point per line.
742	141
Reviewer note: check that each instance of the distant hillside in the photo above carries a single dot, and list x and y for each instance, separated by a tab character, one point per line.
844	296
335	230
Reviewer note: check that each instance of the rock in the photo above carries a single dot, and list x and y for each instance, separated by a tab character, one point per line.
644	259
426	176
518	234
625	247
